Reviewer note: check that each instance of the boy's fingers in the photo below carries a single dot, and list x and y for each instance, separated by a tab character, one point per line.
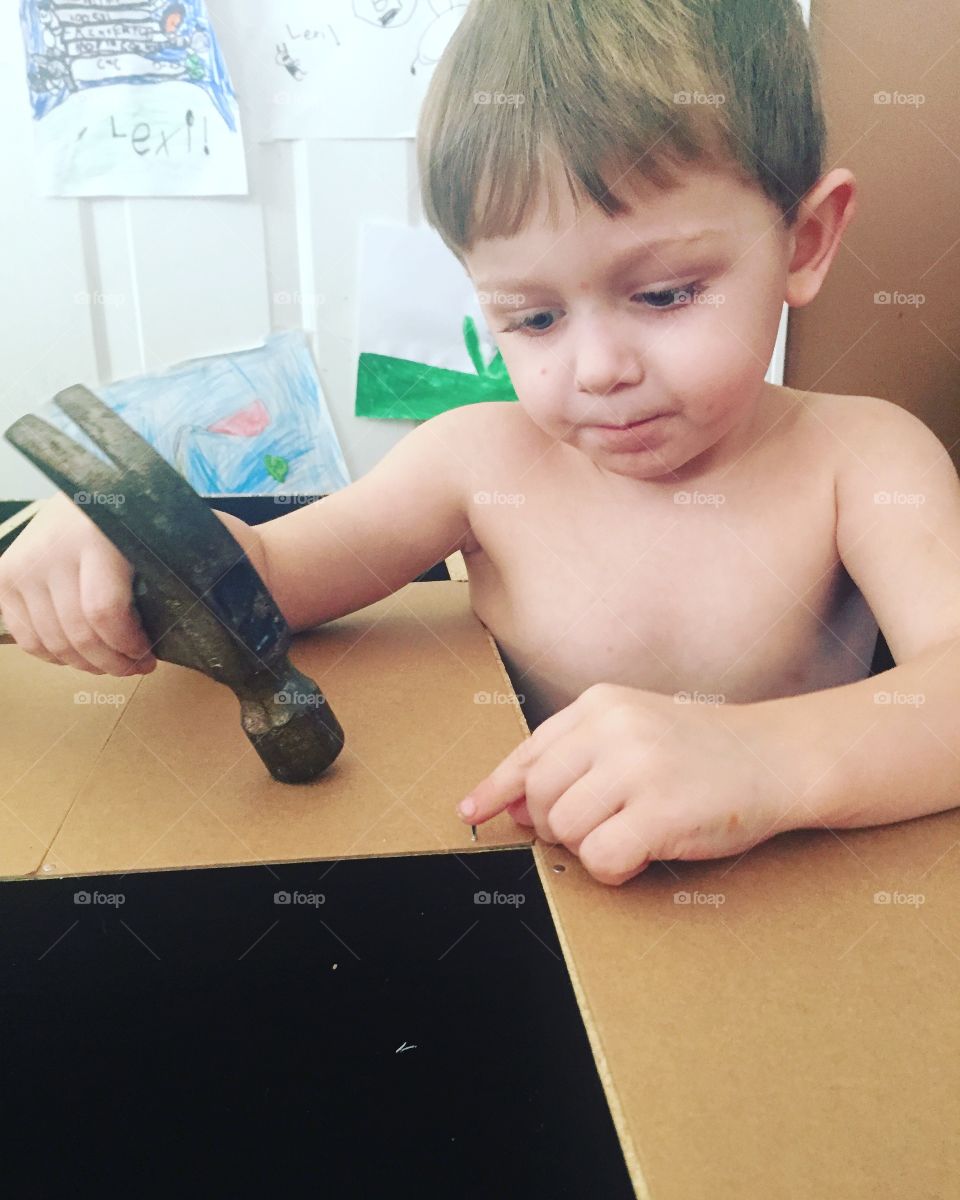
520	813
43	617
500	789
17	620
614	852
100	658
107	603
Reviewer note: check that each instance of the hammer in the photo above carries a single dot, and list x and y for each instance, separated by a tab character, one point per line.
199	598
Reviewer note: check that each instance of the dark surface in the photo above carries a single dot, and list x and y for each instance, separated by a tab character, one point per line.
197	1039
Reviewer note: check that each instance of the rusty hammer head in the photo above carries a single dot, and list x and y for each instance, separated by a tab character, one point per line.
201	602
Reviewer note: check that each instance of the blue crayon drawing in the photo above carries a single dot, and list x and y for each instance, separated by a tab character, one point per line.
74	45
254	422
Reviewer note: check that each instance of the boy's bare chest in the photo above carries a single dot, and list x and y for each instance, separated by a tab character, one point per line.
735	594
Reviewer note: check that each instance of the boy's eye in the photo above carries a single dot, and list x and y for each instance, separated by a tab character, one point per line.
673	297
531	323
667	300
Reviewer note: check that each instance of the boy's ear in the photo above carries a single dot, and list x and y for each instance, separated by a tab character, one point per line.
823	214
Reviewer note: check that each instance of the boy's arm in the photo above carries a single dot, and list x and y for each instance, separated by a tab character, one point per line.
888	748
369	539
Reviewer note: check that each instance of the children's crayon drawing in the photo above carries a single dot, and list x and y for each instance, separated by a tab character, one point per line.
340	69
130	97
253	423
428	348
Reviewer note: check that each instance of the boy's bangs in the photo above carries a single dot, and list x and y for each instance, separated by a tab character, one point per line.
495	195
610	97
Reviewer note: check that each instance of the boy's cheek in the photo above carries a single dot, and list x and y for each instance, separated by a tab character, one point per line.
551	421
542	390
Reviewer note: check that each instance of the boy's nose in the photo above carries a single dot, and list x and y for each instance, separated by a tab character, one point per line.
607	361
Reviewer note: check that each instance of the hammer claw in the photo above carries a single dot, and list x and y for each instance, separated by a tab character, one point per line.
75	472
201	602
128	450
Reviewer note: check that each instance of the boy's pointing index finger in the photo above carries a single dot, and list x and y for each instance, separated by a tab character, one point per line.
507	782
500	788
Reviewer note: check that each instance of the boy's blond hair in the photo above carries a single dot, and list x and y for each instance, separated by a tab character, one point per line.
598	87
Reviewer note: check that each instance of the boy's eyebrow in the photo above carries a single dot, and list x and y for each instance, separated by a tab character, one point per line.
638	253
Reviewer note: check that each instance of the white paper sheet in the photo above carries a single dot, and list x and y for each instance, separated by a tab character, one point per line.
414	296
130	98
336	69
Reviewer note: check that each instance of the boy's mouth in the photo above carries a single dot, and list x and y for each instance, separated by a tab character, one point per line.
634	437
633	424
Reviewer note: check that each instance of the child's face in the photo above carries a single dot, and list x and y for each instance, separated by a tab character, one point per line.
586	344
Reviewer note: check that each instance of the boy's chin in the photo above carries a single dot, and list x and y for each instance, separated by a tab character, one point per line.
641	465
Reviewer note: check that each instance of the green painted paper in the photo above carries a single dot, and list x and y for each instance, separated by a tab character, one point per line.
403	389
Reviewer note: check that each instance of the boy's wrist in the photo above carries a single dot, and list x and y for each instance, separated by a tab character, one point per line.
802	766
250	543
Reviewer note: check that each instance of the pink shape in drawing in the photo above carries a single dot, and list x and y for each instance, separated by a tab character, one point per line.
245	422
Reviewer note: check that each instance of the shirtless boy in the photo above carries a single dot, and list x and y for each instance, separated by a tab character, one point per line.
683	565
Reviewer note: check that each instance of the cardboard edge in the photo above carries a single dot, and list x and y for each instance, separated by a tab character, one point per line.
630	1155
36	871
266	862
456	567
506	679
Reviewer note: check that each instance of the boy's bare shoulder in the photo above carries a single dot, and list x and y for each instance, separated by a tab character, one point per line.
844	412
491	431
865	431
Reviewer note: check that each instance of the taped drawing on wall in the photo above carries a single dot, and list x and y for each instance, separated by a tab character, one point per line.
344	69
252	423
429	350
130	97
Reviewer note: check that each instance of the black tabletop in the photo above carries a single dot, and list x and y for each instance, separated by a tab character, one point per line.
388	1027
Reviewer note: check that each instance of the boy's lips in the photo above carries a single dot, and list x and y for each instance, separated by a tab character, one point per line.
633	424
637	435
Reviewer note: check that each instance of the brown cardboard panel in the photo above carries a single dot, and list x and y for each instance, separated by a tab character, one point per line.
797	1038
903	236
178	784
55	723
